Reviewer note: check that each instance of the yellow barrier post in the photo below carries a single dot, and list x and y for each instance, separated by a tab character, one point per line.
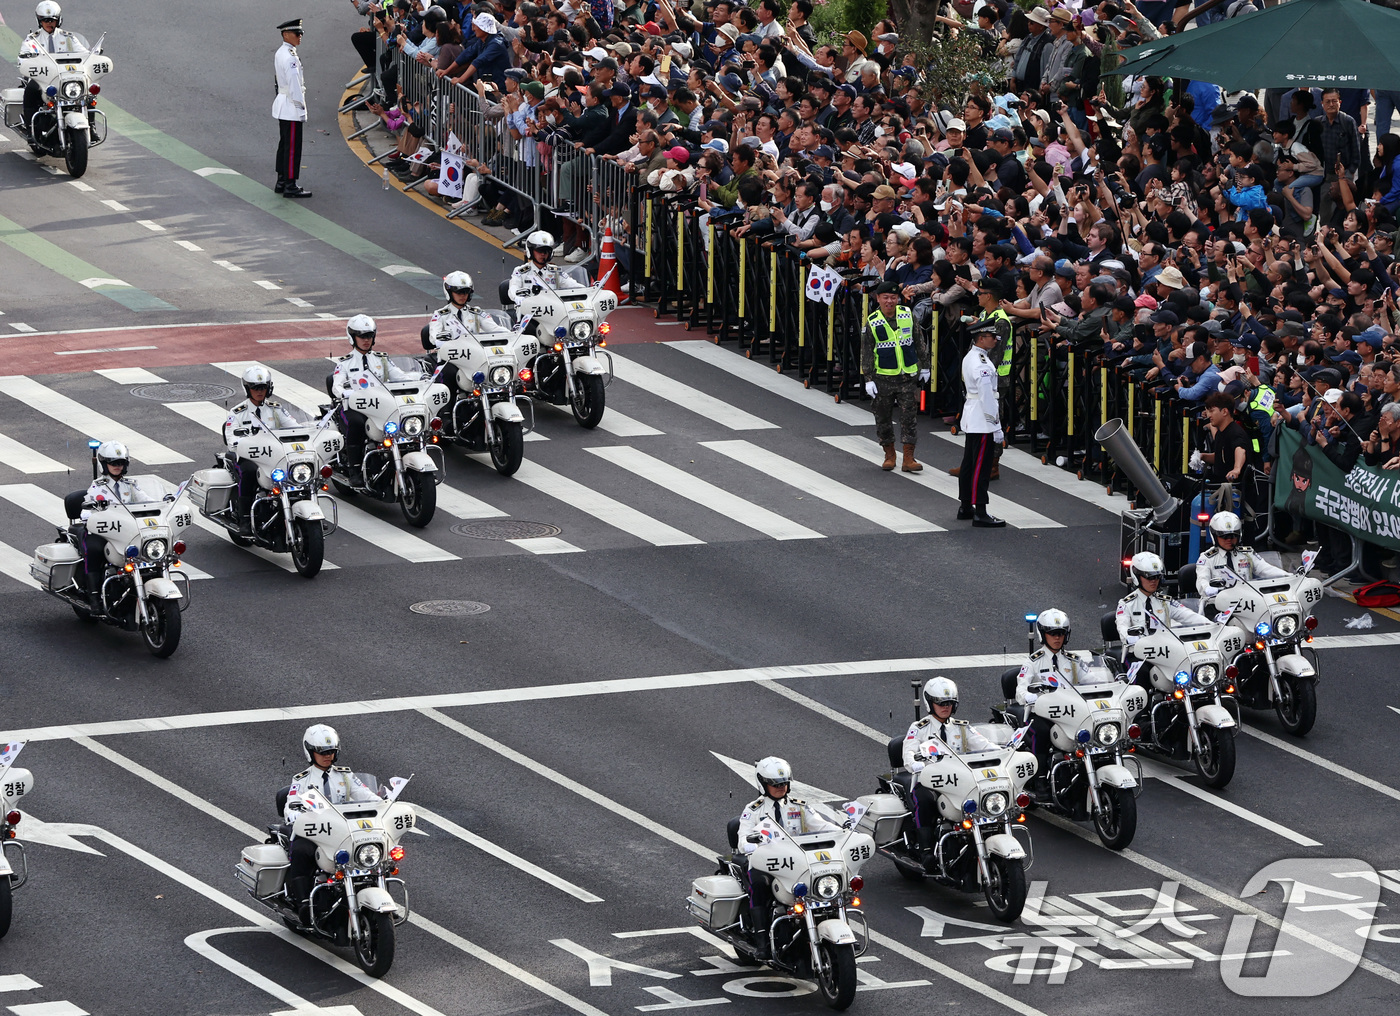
772	293
1035	378
1185	444
802	308
933	356
710	288
1103	395
680	251
743	274
1132	404
831	330
1157	438
649	231
1069	405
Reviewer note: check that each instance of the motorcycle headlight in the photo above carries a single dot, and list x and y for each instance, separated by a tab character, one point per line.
301	473
1107	734
1205	675
994	804
828	886
368	855
581	330
1286	626
153	550
412	426
72	89
501	375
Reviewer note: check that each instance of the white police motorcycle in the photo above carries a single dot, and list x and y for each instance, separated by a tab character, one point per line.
14	784
357	860
570	328
68	122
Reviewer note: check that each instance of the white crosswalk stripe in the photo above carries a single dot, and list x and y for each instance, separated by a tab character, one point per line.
937	480
15	564
687	397
130	376
26	459
820	485
86	421
49	507
613	422
771	381
703	492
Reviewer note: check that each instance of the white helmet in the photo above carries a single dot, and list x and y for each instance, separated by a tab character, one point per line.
456	282
1146	565
320	738
359	326
112	452
940	691
540	240
256	376
1225	524
773	771
1052	622
49	9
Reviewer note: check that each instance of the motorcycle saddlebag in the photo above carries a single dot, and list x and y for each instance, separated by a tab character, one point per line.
211	490
55	565
715	900
262	867
883	816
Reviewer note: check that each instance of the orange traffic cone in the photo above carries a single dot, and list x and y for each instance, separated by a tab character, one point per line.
607	267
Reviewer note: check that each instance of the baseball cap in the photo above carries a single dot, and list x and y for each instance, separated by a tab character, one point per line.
486	23
884	192
1144	300
956	124
717	145
1003	134
1165	317
824	152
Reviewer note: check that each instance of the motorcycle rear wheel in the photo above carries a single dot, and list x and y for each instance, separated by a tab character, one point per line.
308	547
589	400
1216	762
374	952
77	155
162	632
1116	822
1297	705
1006	892
837	978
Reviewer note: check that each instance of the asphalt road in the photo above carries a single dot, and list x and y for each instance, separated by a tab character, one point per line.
578	747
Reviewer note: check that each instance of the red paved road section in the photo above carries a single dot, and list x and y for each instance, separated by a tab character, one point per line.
182	345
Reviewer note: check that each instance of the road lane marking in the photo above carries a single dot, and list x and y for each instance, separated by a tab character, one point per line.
15	564
188	245
101	349
114	205
820	485
86	421
199	942
26	459
86	188
688	398
75	269
18	982
130	375
614	423
297	301
1173	778
546	545
940	482
20	326
227	264
706	494
154	227
1318	760
770	380
265	284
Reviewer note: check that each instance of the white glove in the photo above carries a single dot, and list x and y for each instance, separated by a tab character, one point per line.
916	767
1031	697
924	376
1195	462
870	389
998	436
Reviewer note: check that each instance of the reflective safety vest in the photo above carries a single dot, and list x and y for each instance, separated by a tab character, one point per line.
1004	366
1262	401
894	354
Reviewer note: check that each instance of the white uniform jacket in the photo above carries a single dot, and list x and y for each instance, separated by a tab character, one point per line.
527	276
450	323
338	785
118	489
930	733
57	41
1064	666
290	103
981	411
362	370
246	418
1218	569
1139	614
793	815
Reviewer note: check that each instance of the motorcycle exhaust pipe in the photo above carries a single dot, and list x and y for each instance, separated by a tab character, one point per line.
1119	444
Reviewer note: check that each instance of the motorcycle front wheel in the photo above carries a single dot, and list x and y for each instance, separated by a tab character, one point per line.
419	500
837	978
1116	821
1216	759
1006	890
589	400
161	631
1297	705
76	156
308	547
374	950
7	903
508	448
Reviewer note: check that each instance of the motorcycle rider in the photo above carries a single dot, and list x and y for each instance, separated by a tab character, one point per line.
451	321
1047	667
792	815
536	271
336	784
360	369
111	484
256	412
1227	563
49	37
1145	608
940	697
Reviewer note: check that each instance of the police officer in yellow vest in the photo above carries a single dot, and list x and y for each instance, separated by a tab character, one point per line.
894	363
995	320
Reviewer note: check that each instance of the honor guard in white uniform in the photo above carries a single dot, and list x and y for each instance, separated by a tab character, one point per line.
981	427
1145	609
1227	563
361	369
49	37
289	110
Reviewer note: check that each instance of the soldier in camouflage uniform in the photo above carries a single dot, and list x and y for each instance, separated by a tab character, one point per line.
894	363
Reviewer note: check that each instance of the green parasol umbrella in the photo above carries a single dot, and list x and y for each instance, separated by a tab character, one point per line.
1299	44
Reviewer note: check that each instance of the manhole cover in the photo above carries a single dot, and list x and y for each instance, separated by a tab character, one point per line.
450	608
177	392
505	529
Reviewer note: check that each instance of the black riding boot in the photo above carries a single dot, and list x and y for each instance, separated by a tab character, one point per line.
299	892
763	947
93	583
245	516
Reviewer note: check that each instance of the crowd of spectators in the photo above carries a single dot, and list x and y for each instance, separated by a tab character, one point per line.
1227	250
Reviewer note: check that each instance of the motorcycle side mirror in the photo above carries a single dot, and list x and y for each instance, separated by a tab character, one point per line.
100	39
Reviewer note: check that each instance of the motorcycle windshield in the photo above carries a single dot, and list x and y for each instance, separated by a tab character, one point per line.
148	489
291	417
575	276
